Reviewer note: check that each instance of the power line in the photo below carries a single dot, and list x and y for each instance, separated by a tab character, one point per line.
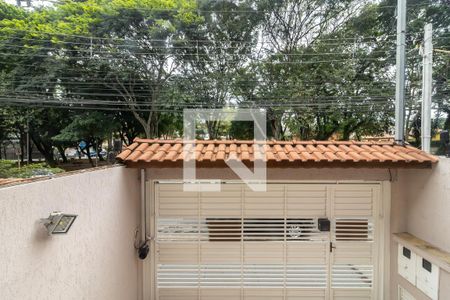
261	99
201	54
189	43
197	61
368	109
108	85
90	38
142	96
125	72
87	80
90	101
156	107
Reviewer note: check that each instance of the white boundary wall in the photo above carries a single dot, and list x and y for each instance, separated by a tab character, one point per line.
95	260
426	215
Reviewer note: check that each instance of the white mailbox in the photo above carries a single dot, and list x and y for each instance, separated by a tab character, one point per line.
407	264
427	277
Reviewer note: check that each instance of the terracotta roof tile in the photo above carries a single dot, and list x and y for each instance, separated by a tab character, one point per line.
156	151
343	156
306	156
310	148
330	155
281	155
368	156
323	148
344	148
319	156
356	148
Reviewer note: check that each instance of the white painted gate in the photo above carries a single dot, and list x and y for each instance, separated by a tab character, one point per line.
240	244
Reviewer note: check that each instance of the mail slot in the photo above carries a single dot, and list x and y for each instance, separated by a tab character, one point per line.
324	224
407	264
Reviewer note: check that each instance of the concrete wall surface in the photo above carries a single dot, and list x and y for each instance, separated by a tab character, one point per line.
426	200
95	260
429	204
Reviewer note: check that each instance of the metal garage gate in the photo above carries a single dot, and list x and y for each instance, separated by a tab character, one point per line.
241	244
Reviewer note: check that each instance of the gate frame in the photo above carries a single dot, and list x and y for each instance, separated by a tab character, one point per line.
381	283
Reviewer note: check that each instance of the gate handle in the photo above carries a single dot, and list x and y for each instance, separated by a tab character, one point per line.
332	247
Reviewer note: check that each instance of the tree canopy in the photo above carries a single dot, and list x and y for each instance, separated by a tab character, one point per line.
83	70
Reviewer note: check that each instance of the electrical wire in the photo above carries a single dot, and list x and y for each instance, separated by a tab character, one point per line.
92	38
293	99
203	61
369	110
92	52
187	42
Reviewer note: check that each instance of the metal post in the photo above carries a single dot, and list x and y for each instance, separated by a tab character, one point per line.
143	207
427	74
400	73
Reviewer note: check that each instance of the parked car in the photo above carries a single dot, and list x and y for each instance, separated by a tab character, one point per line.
101	153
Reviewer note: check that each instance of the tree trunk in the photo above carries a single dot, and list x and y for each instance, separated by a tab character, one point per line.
276	128
447	121
30	153
325	127
346	134
89	155
212	127
46	151
22	148
61	152
98	150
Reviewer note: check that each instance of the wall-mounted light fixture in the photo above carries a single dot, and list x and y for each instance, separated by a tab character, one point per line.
58	222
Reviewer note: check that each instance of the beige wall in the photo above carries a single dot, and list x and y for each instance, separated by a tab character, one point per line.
426	214
335	174
429	204
95	260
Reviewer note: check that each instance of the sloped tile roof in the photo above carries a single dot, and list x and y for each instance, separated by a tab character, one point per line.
149	151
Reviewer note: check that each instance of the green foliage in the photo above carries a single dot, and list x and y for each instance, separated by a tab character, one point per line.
8	11
322	69
90	126
11	169
242	130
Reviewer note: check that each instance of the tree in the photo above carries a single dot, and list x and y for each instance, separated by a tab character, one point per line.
288	27
140	53
322	69
218	46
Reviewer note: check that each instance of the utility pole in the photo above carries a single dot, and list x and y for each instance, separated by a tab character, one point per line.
400	74
427	83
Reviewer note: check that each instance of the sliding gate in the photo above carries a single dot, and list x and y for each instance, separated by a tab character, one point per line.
294	241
